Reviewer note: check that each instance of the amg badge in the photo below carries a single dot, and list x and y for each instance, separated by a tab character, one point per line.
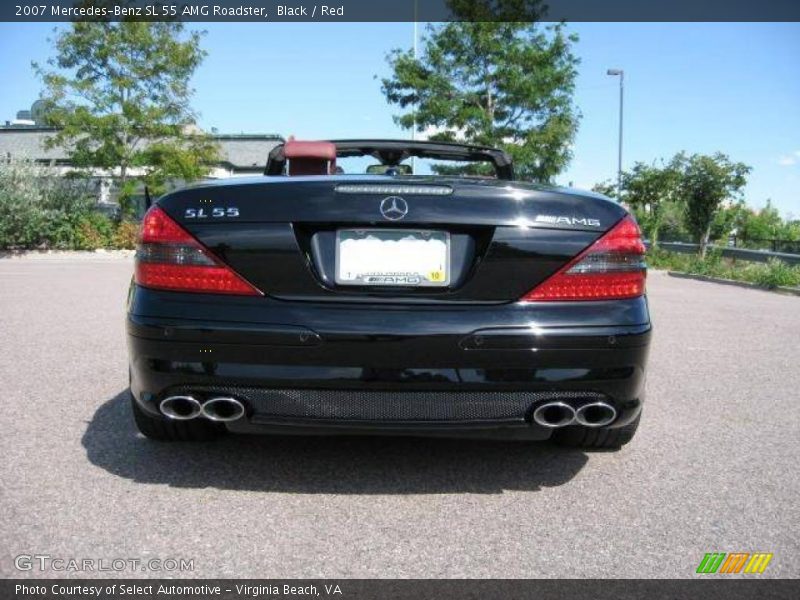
559	220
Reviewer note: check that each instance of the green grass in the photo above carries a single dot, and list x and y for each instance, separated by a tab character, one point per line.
772	274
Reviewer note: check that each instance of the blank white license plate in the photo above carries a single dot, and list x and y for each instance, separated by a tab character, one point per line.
403	257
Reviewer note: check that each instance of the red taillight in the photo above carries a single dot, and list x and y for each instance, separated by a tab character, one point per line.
611	268
169	258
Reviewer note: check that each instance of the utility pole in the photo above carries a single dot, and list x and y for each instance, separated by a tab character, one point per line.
414	126
621	74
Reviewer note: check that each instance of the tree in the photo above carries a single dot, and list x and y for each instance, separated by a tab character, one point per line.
728	219
647	190
119	95
673	222
505	84
791	229
607	188
705	183
762	225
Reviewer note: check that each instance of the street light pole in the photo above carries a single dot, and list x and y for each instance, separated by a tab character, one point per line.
414	125
621	74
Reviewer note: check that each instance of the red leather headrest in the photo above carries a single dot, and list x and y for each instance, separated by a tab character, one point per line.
310	158
318	150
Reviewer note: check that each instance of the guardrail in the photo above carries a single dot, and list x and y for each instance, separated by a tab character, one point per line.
772	244
730	252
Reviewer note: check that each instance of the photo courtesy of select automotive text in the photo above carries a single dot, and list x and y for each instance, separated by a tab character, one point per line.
408	299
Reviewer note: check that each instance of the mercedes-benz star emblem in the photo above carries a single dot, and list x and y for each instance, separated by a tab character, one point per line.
394	208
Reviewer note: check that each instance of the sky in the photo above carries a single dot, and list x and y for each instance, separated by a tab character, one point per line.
697	87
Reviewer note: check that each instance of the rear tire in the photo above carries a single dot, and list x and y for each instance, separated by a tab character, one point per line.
576	436
169	430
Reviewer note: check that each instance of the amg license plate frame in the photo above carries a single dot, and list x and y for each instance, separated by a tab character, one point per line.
393	257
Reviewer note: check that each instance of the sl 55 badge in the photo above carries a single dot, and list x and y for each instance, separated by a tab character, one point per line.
214	212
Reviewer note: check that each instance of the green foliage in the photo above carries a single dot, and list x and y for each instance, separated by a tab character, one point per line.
791	230
93	230
674	200
774	273
727	220
754	228
662	259
504	84
119	93
607	188
761	225
673	226
125	236
39	208
711	264
705	183
186	159
685	197
648	190
20	212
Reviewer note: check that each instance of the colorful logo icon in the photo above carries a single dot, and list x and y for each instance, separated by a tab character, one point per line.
734	562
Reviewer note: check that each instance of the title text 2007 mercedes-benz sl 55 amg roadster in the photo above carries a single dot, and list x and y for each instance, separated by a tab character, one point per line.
319	299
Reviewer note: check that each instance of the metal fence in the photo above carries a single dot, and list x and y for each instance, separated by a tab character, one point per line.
775	245
731	252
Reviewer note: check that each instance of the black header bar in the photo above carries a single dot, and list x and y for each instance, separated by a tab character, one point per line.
334	11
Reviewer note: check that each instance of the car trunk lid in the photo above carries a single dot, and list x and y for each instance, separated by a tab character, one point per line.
280	233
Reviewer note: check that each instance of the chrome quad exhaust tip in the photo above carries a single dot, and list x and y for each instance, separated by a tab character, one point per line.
554	414
595	414
180	408
223	410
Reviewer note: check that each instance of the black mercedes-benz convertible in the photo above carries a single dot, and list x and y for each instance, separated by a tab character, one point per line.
426	293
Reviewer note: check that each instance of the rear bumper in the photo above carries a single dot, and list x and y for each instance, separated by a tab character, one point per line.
333	367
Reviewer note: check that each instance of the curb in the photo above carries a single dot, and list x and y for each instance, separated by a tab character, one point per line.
101	254
742	284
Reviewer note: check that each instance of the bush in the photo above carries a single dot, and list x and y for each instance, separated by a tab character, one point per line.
710	266
773	274
20	215
40	208
663	259
776	273
93	230
125	235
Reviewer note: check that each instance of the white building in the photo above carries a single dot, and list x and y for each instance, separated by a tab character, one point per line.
241	154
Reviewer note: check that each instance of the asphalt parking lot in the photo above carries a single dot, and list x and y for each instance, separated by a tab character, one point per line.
714	467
